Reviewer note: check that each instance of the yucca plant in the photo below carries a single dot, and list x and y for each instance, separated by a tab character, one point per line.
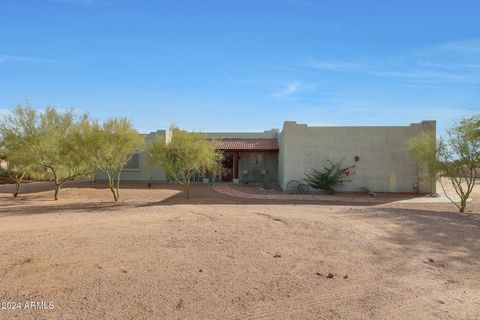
331	177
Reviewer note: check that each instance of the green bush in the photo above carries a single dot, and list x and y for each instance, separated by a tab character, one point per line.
331	177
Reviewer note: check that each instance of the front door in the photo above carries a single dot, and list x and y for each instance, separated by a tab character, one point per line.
227	164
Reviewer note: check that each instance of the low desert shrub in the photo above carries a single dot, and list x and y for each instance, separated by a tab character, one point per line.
330	177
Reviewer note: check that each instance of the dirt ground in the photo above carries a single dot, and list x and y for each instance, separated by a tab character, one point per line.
155	255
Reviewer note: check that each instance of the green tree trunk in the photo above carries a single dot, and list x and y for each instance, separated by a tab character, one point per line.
117	184
463	204
186	185
57	184
17	189
57	190
115	196
186	189
113	190
111	186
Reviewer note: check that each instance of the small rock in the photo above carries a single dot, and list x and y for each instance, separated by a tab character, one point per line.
431	260
179	304
345	276
440	301
200	270
277	256
318	274
124	271
330	275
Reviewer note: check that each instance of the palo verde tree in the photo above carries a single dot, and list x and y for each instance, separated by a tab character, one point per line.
18	166
425	149
34	140
55	149
17	136
459	158
185	154
108	147
454	158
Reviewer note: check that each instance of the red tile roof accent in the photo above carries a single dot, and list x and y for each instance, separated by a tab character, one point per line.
248	144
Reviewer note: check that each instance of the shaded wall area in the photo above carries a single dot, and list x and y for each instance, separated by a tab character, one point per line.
258	167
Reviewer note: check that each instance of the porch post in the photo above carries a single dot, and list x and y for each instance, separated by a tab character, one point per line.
237	157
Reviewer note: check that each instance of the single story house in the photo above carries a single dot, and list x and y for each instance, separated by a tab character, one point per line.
383	162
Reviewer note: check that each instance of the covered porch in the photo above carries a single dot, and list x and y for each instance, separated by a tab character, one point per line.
249	160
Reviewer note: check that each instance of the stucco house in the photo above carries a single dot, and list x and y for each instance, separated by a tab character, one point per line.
383	162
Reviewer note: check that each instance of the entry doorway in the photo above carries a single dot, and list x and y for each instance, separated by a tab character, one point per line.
227	165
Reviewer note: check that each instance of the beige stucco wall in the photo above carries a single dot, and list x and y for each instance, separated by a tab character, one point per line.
385	165
281	160
145	173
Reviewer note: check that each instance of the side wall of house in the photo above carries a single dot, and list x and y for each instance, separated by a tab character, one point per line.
385	162
144	172
281	160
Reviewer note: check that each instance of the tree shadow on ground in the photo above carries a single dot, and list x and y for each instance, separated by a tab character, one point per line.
201	194
206	194
452	236
26	209
34	187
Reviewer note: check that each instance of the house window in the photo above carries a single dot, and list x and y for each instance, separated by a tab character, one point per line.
259	159
134	162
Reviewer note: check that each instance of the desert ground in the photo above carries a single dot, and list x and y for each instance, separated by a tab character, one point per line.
156	255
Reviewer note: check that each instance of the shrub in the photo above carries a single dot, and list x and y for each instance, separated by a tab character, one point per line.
331	177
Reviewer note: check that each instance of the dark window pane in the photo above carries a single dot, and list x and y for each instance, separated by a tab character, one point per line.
134	162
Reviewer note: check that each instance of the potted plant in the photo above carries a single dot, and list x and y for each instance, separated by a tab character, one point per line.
206	177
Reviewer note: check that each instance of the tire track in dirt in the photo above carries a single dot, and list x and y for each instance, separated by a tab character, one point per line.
209	217
295	305
271	217
405	309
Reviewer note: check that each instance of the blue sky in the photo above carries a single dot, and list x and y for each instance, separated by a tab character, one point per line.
244	65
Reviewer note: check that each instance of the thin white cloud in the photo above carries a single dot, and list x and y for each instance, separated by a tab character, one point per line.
86	2
465	47
455	61
450	66
330	65
449	62
288	90
430	75
14	58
